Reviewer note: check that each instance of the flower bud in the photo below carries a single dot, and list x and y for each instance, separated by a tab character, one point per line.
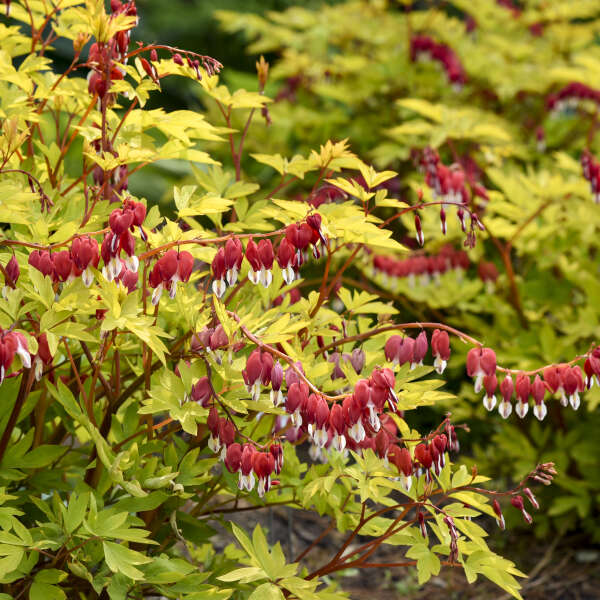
517	502
529	495
233	458
499	515
490	383
419	235
201	391
357	360
523	389
12	270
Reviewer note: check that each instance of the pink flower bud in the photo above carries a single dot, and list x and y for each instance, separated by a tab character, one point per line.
12	269
63	264
357	360
277	452
212	421
120	221
529	495
233	458
419	235
499	515
276	376
523	389
490	382
201	391
517	502
423	455
440	348
420	349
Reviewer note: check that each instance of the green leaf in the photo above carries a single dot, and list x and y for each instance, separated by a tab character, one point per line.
121	560
44	591
50	576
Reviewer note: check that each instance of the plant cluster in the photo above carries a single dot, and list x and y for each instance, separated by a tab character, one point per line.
516	145
133	422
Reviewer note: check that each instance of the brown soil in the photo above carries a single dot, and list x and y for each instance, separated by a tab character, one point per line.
568	569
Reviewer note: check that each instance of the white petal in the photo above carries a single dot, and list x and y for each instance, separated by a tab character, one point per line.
521	409
439	365
156	294
574	400
540	411
505	408
38	368
563	398
87	277
24	356
266	277
232	275
254	276
219	286
116	266
489	402
478	383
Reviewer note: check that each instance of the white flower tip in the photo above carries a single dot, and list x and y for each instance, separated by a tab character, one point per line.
156	294
540	411
219	286
489	402
505	409
521	409
575	400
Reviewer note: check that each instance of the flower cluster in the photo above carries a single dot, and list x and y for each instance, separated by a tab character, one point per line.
406	350
447	183
104	57
11	343
210	65
290	256
66	265
356	359
591	172
260	371
571	95
423	45
325	194
260	257
248	462
122	223
210	339
543	473
172	267
421	266
345	424
565	380
245	460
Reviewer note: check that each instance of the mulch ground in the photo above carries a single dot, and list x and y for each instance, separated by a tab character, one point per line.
566	569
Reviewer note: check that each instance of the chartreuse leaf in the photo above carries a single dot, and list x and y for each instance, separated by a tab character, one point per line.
268	591
244	575
121	559
428	563
269	563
